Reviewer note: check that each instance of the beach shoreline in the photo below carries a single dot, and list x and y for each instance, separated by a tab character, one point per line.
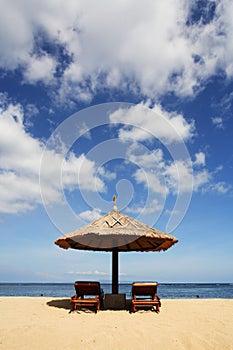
45	323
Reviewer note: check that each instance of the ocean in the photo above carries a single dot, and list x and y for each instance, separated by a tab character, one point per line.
165	290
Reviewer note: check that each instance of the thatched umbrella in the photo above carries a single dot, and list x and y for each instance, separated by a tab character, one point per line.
117	232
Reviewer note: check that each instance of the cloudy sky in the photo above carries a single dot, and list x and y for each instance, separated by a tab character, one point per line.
121	97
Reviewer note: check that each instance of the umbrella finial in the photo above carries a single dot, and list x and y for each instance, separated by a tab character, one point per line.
114	198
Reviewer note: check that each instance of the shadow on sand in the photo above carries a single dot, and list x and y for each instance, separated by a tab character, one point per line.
65	304
60	303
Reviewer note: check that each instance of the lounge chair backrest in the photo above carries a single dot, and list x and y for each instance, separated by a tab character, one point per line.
144	289
87	288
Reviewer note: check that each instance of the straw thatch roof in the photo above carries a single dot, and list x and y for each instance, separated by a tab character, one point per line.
116	230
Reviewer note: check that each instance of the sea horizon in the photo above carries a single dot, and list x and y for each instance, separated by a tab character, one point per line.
107	282
166	290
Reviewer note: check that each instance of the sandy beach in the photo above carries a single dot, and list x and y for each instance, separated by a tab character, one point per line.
45	323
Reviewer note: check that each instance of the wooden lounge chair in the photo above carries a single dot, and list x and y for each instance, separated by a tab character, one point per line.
144	295
93	292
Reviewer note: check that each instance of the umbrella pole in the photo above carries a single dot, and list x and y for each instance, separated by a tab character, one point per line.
115	271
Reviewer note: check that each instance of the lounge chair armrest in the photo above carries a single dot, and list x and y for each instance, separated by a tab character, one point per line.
74	297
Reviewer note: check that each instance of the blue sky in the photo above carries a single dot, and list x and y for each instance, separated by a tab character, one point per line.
117	98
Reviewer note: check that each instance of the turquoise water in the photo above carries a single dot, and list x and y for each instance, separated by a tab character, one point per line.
165	290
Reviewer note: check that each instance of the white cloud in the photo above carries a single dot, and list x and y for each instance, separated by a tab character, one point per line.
146	123
144	159
40	68
31	110
150	208
187	176
152	180
219	187
88	273
164	176
18	193
118	44
217	122
84	131
80	171
20	162
156	172
201	178
200	159
106	174
179	175
90	215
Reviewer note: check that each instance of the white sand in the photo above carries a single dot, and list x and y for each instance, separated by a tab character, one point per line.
45	323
